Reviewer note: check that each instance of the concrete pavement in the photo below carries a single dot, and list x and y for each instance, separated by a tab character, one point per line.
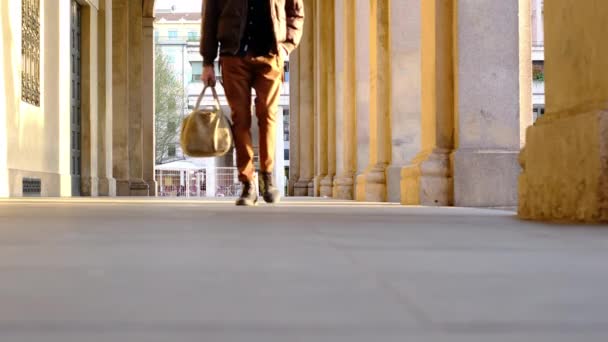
154	270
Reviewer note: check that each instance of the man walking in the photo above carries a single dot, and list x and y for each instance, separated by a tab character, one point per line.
254	37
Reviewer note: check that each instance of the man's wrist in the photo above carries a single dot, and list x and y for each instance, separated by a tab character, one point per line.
284	50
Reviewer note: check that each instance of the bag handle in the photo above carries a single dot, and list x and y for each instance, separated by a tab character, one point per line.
216	98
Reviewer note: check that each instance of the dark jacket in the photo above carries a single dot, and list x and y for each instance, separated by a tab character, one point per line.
224	23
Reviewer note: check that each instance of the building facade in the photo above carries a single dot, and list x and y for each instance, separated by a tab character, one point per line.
76	115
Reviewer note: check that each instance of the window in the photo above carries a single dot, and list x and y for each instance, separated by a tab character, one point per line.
173	35
286	154
30	52
286	124
171	127
286	71
197	71
156	36
172	151
193	36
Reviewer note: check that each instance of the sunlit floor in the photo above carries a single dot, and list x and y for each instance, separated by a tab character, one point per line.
186	270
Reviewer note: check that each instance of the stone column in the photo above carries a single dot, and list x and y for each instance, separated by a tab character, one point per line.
304	186
89	102
324	90
136	121
320	95
120	96
278	171
294	120
8	92
493	99
327	184
427	180
565	160
149	153
406	89
345	99
107	184
380	93
363	105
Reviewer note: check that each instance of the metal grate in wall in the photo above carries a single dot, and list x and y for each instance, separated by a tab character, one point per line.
30	51
32	187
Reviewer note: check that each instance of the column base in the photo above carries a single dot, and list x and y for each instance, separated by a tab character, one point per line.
485	178
139	188
428	181
123	187
393	183
291	186
317	185
107	187
360	187
327	187
301	188
89	186
375	184
344	187
153	188
565	174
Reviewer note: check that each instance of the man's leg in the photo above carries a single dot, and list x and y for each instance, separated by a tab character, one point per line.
237	81
267	83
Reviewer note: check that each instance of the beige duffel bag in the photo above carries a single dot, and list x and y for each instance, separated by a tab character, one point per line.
206	132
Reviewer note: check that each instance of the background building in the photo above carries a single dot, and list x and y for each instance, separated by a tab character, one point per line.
538	58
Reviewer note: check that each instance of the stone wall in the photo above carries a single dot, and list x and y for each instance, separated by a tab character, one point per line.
565	158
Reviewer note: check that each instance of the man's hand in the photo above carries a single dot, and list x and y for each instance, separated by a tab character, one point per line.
208	76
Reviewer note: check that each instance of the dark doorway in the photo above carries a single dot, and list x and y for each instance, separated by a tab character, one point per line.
75	112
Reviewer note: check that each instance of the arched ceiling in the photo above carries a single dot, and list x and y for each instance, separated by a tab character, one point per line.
149	8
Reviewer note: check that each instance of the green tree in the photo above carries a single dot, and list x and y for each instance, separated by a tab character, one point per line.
168	106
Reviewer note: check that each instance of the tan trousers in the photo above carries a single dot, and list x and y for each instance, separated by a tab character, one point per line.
240	75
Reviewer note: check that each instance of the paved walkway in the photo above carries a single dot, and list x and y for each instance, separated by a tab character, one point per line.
88	271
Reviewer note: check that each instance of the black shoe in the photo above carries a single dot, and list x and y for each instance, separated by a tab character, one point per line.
249	197
270	193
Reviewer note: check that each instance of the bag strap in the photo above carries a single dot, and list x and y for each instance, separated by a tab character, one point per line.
216	98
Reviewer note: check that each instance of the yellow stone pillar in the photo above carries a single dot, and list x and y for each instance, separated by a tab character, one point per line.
120	96
294	121
493	99
320	95
565	168
327	184
89	101
406	90
136	121
127	85
380	100
149	152
324	99
345	99
428	180
107	184
365	141
304	186
6	88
